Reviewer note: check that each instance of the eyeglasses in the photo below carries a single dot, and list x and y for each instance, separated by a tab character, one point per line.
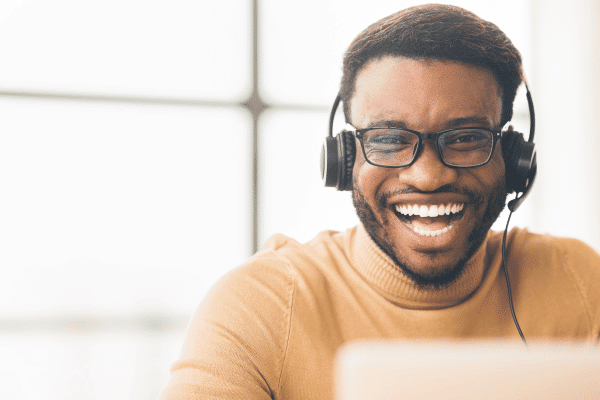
458	148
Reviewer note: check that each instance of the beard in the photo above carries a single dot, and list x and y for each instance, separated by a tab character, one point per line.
380	235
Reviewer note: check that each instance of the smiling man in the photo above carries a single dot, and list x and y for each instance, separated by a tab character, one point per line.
427	93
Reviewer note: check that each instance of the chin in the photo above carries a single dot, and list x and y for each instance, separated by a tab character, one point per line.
433	272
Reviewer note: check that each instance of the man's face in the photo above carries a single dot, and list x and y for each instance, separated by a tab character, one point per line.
427	97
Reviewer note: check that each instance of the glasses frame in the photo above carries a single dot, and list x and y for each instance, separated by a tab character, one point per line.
359	134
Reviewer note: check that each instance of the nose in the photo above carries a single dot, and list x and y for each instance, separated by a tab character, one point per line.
427	173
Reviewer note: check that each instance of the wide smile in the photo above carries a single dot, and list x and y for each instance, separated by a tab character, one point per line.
429	219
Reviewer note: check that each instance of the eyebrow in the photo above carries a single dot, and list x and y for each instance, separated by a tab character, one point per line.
453	123
473	121
387	123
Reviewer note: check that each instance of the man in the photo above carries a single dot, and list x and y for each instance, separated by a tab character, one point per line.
423	263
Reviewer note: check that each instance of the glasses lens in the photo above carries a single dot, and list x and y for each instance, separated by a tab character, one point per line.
466	147
389	147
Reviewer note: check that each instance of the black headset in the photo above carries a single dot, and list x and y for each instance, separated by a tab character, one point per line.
339	152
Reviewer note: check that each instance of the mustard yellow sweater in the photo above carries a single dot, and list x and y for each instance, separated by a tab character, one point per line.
270	329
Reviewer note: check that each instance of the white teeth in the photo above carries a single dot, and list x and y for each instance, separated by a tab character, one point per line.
430	210
433	211
433	233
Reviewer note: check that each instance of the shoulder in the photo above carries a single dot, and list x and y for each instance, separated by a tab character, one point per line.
318	257
272	275
569	253
579	261
559	267
326	243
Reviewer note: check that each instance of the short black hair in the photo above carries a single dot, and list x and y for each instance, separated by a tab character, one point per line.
437	32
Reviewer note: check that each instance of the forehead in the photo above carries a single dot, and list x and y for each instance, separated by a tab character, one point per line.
424	94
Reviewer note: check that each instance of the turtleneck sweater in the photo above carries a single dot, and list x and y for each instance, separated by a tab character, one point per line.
270	329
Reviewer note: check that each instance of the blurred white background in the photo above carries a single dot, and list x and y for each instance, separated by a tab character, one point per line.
135	172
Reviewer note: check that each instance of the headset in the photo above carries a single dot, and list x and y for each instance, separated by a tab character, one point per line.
520	162
520	157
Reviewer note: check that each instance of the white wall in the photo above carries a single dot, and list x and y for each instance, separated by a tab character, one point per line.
566	88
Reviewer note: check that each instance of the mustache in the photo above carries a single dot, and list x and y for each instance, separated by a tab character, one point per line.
473	196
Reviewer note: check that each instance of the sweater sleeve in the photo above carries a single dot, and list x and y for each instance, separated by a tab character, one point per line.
237	340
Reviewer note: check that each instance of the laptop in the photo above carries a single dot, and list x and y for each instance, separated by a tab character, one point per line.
466	370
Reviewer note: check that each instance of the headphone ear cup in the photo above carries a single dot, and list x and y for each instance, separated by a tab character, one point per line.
508	153
329	162
519	161
337	160
348	149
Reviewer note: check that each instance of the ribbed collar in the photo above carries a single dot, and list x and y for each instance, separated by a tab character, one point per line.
385	277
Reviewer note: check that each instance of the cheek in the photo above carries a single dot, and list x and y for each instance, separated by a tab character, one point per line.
360	174
493	173
371	182
497	163
359	167
367	178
